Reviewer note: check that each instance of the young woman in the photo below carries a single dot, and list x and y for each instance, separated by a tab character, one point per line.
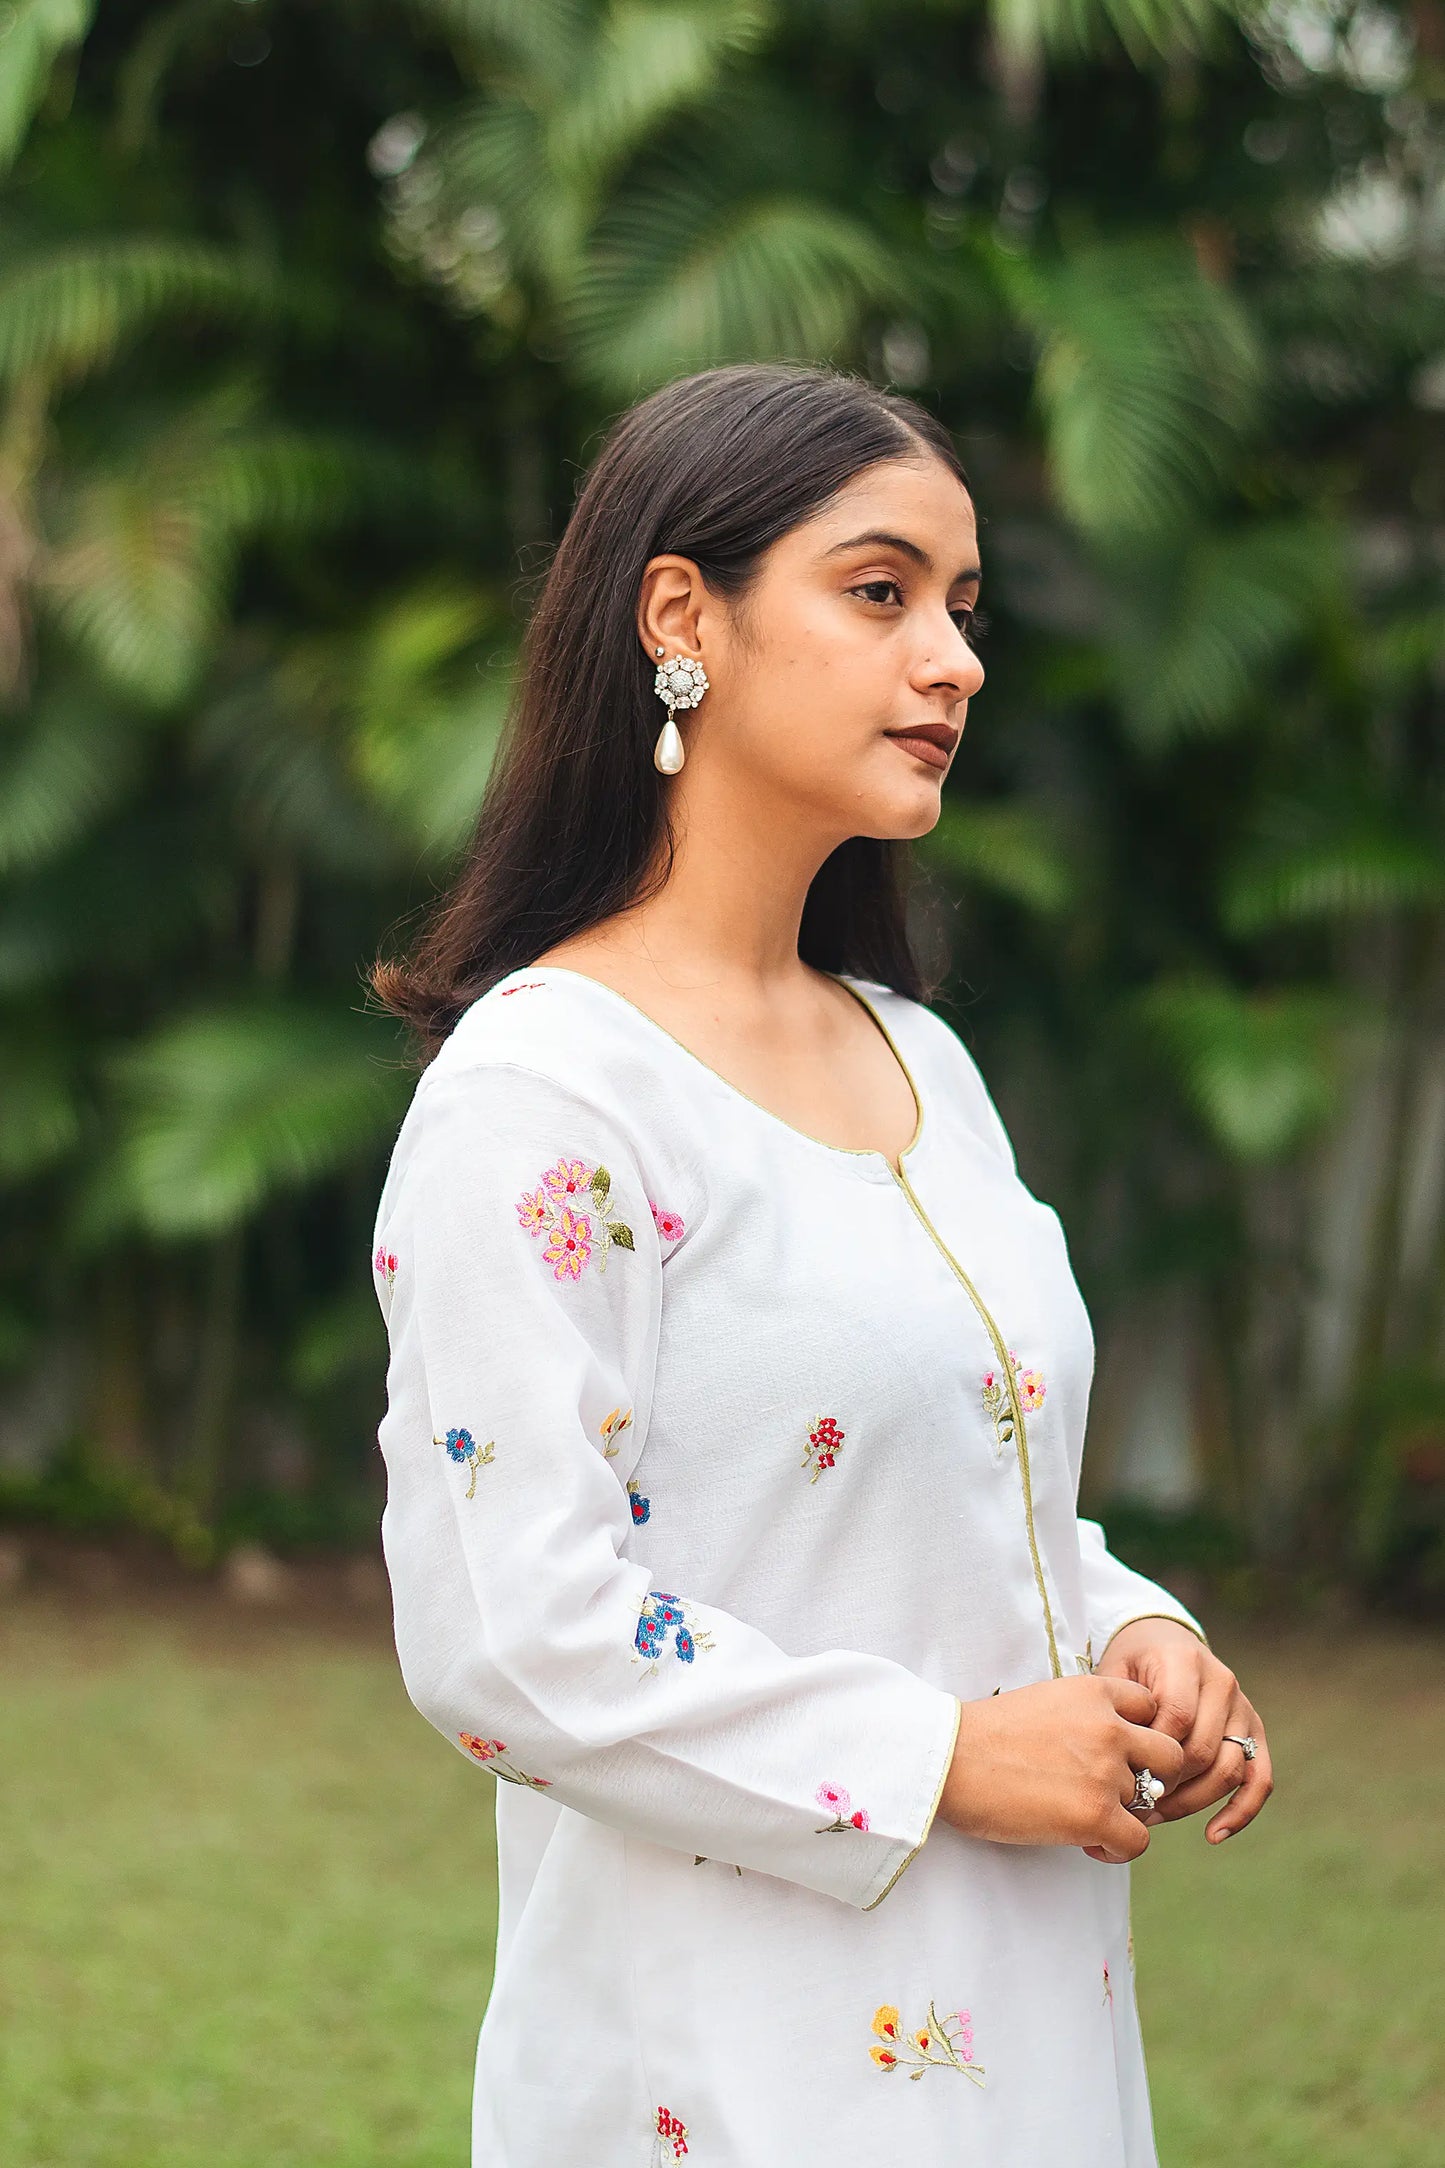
738	1382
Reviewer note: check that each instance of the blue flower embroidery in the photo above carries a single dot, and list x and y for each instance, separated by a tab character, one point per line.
461	1446
659	1613
641	1506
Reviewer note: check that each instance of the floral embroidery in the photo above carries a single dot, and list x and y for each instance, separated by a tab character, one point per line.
1029	1385
384	1262
671	2135
845	1814
824	1439
933	2046
701	1861
662	1614
574	1236
525	987
1108	1985
489	1751
462	1446
616	1419
668	1224
641	1507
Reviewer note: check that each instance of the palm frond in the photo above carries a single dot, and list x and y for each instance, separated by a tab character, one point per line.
433	682
1014	850
1027	30
680	277
1196	625
138	579
36	33
1359	871
653	59
42	1119
65	764
64	313
534	40
124	900
1148	374
220	1109
1261	1070
277	739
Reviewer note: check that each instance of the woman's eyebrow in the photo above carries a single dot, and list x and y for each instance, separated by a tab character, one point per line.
880	537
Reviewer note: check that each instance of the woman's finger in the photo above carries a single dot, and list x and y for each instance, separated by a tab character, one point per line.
1256	1788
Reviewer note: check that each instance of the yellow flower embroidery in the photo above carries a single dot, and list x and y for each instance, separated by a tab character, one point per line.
942	2044
615	1420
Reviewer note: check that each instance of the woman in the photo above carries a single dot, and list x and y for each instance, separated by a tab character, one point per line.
738	1383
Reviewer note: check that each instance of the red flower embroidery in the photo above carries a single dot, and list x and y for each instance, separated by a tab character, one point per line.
384	1262
489	1751
824	1439
671	2130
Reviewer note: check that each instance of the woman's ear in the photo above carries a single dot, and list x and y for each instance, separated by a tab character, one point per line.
669	606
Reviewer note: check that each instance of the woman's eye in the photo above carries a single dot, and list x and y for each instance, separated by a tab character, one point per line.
974	625
870	589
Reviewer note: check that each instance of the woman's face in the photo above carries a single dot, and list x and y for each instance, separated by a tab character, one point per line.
838	692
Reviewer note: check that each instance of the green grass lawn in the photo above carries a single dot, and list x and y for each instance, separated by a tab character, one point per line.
246	1907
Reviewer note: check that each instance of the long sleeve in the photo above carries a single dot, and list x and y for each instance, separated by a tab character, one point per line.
521	1270
1114	1594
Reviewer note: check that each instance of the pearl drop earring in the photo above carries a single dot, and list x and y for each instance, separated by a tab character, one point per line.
681	683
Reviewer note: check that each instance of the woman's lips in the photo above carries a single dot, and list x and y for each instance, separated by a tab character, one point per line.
924	749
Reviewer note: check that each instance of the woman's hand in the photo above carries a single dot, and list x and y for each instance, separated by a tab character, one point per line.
1054	1763
1199	1699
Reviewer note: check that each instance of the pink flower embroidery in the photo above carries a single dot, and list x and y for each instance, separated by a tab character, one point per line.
489	1752
840	1806
570	1244
574	1236
384	1262
568	1178
824	1439
668	1224
533	1210
998	1401
525	987
671	2135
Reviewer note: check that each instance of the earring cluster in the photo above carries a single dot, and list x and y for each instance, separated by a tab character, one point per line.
681	683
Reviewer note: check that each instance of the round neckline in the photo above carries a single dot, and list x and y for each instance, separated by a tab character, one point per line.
867	1153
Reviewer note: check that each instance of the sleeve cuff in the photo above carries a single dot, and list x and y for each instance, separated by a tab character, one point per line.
1180	1618
932	1809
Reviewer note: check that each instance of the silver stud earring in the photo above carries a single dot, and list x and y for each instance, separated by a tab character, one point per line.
681	683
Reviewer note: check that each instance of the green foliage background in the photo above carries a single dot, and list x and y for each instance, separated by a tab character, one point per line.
309	318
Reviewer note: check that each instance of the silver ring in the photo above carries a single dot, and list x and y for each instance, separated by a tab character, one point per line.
1147	1789
1248	1744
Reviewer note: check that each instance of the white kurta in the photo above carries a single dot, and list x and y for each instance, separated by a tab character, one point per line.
721	1463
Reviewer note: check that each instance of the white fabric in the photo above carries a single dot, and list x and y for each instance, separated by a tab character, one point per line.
695	1937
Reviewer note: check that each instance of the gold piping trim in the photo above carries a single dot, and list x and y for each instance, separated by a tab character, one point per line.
1020	1437
1021	1443
928	1824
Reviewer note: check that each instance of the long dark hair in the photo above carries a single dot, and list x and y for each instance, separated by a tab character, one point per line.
573	824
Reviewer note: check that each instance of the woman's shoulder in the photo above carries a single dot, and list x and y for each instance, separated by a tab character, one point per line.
942	1062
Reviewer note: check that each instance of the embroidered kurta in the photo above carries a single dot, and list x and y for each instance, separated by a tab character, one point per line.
722	1465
